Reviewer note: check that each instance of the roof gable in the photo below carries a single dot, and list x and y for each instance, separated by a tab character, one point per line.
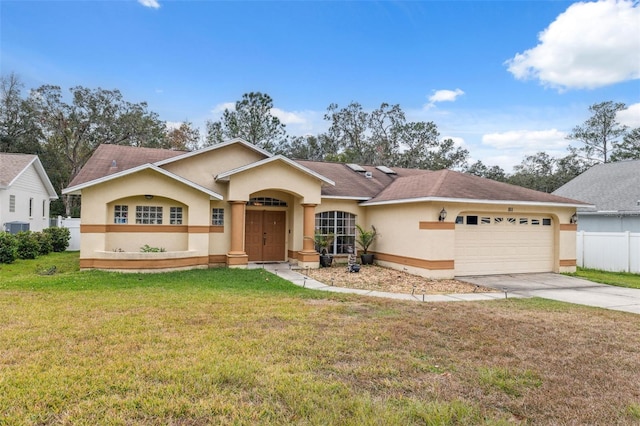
278	158
12	166
109	159
607	186
236	141
117	175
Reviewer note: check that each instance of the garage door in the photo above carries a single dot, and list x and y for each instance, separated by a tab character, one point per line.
492	244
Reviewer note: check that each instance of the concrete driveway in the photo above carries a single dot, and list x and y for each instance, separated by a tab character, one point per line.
564	289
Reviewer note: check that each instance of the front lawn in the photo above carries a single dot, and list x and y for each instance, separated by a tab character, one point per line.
620	279
245	347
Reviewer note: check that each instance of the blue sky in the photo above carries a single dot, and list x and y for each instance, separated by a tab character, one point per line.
504	79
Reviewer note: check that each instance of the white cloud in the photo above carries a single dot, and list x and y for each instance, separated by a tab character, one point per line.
444	96
630	116
287	117
218	109
590	45
172	125
537	140
150	3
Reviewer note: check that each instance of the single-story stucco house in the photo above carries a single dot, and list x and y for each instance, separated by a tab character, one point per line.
613	190
234	203
25	193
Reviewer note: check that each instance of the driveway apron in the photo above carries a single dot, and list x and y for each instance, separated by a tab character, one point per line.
564	289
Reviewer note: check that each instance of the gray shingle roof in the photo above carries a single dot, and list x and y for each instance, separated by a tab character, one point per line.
373	184
608	186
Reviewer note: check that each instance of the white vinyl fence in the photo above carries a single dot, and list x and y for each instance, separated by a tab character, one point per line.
609	251
73	224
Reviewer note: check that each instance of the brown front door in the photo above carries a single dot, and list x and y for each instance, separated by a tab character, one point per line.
265	235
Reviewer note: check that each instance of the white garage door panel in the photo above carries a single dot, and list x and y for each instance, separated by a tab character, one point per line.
503	248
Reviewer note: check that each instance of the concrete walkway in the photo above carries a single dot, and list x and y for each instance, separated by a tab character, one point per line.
564	289
548	286
297	277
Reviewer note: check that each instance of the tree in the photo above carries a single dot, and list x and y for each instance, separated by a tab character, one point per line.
385	124
629	149
347	131
446	156
417	138
183	138
72	131
601	132
306	147
19	131
545	173
480	169
253	120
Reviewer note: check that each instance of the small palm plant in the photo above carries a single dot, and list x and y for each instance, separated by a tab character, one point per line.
366	238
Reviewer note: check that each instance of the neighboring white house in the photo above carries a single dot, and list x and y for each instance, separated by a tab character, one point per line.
613	190
608	236
25	193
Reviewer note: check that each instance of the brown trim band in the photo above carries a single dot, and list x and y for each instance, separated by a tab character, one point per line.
568	262
292	254
437	225
218	258
568	227
192	229
237	259
182	262
198	229
418	263
308	257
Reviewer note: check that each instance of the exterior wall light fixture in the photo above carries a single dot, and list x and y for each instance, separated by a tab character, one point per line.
574	218
443	215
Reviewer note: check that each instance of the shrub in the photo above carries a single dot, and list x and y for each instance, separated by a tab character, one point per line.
59	238
46	244
8	247
28	245
148	249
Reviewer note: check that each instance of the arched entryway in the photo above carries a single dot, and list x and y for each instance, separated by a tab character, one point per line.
266	229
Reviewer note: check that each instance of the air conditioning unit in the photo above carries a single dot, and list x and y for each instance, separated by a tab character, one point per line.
15	227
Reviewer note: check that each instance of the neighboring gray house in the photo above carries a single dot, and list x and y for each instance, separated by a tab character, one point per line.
614	191
25	193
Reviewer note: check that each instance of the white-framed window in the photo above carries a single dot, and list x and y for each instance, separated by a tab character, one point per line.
217	216
175	216
120	214
149	215
12	203
343	227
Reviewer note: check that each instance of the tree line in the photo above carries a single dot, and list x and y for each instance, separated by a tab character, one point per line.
64	134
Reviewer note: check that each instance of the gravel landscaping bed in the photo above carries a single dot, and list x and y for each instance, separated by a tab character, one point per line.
377	278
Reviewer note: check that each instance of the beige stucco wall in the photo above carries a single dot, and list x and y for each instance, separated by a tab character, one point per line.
399	231
274	176
98	202
203	168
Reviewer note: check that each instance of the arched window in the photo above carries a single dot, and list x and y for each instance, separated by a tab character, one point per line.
343	227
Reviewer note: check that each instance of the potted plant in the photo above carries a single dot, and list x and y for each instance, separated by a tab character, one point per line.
323	241
365	239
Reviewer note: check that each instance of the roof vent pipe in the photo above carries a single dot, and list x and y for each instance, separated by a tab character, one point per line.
368	175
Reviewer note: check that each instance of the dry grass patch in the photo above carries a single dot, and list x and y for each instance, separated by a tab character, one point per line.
377	278
245	347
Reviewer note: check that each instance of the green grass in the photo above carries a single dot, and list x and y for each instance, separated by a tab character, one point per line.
620	279
228	346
